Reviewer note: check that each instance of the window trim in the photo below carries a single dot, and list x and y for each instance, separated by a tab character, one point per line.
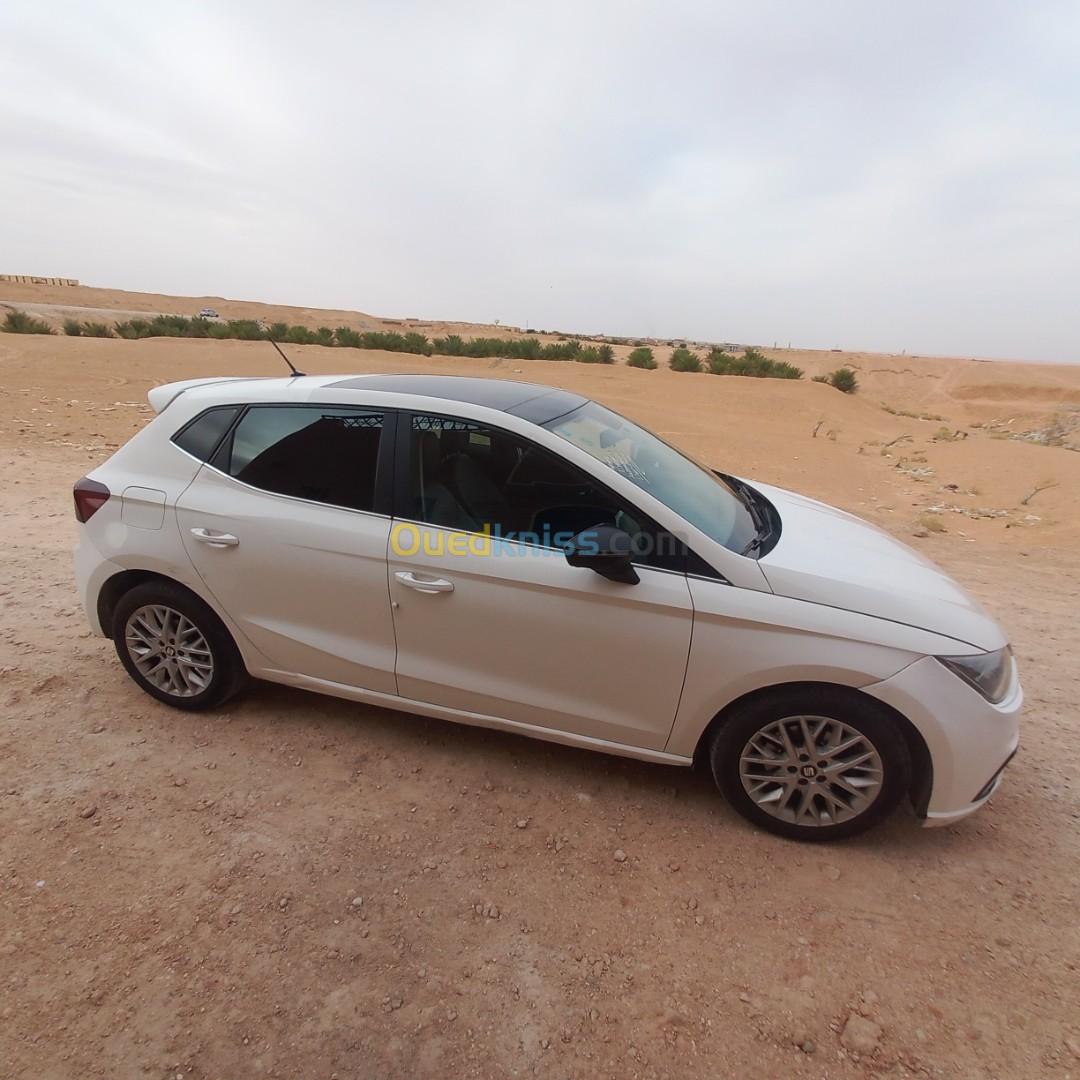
384	462
402	481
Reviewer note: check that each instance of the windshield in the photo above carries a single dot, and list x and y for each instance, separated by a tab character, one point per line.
682	485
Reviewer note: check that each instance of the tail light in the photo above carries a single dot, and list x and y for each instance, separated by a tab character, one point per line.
90	497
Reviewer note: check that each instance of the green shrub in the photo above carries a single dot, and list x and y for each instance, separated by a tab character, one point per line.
278	331
299	335
73	328
528	348
752	363
219	331
607	354
844	380
390	341
324	336
589	355
18	322
642	357
451	345
96	329
682	359
418	343
133	329
561	350
346	337
245	329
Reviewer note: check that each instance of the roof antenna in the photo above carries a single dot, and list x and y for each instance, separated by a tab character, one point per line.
296	374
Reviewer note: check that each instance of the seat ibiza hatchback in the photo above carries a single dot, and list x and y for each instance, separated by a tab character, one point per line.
519	557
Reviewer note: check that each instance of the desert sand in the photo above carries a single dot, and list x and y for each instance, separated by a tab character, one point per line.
180	891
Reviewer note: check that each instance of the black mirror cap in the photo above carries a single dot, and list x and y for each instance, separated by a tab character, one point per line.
605	550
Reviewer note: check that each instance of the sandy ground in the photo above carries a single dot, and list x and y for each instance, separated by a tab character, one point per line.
180	894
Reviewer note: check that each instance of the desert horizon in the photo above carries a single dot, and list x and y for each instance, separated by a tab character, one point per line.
51	290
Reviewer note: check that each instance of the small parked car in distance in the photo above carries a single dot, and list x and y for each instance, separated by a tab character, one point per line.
519	557
208	313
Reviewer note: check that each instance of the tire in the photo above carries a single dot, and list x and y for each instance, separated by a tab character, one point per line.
203	669
778	784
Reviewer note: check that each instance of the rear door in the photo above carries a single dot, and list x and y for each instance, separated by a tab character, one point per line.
510	629
287	527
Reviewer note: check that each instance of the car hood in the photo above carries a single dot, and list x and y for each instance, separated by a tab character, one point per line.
827	556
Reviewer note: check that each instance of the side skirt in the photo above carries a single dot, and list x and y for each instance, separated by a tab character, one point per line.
459	716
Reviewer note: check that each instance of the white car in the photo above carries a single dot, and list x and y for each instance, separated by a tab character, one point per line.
521	558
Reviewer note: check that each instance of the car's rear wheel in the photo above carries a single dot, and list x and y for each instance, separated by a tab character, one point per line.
175	647
811	763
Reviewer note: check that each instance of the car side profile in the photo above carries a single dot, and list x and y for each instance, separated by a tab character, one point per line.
519	557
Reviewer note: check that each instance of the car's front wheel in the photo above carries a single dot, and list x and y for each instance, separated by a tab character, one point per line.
175	647
811	763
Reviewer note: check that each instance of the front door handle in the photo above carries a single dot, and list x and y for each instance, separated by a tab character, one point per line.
410	581
222	540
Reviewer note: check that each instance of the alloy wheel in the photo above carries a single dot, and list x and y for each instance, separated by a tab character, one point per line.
169	650
811	771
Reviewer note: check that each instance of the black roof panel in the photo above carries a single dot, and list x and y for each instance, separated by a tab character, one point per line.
530	401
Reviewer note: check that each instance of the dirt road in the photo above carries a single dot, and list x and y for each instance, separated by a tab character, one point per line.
298	886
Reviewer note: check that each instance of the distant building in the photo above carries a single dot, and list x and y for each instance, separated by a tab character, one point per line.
31	279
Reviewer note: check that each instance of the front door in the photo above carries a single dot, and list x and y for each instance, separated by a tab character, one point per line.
510	629
282	529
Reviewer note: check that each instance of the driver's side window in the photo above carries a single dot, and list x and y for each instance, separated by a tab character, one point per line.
474	478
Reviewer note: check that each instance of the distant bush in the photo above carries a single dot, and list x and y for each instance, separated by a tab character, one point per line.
589	355
299	335
844	380
523	348
345	337
18	322
682	359
508	348
642	357
133	329
73	328
245	329
390	341
752	363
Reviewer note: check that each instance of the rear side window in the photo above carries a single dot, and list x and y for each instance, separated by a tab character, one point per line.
201	437
321	453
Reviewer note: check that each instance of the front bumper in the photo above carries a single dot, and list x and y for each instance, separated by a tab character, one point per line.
970	739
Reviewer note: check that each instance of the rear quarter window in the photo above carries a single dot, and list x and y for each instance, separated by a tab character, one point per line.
322	453
201	436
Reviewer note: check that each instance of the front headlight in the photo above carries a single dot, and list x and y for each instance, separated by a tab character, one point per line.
989	673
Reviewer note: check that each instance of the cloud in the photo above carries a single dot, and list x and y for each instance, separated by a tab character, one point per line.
879	176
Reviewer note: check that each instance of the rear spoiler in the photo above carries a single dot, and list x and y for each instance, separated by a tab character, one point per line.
161	397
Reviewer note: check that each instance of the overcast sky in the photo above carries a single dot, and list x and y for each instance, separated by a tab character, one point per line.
867	174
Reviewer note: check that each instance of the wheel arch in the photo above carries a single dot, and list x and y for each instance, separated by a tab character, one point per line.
117	586
922	768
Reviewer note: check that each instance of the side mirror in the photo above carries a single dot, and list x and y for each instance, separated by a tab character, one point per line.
605	549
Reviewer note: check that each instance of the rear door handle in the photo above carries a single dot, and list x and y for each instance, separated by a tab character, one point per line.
222	540
410	581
